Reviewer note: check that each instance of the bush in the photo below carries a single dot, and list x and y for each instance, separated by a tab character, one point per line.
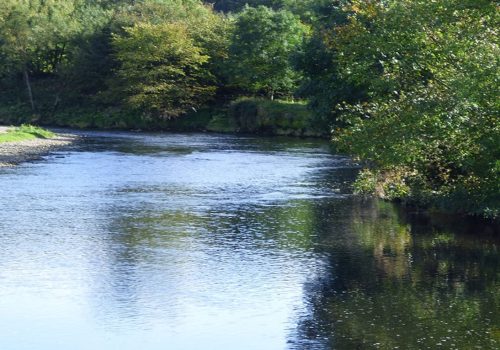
273	117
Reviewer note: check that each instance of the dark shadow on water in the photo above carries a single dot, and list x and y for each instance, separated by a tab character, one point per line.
400	280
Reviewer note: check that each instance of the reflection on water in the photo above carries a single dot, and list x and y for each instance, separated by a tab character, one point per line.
218	242
403	283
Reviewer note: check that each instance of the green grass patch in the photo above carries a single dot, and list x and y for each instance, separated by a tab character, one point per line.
25	132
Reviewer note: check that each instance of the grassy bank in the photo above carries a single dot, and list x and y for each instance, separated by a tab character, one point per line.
25	132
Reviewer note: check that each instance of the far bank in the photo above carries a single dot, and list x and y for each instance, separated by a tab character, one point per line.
257	116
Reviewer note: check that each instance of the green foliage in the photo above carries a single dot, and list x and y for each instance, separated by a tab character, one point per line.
366	182
208	29
38	34
162	69
262	44
31	30
273	117
323	84
433	99
58	54
299	7
388	184
38	41
238	5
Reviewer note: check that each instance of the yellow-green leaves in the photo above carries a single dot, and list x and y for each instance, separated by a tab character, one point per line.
161	69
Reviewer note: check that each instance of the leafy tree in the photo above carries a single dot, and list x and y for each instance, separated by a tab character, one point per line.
162	69
64	48
323	84
431	124
36	36
199	38
262	44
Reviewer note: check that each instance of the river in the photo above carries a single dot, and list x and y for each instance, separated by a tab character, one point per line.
196	241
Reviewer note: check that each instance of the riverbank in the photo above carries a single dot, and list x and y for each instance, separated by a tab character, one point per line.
246	115
16	152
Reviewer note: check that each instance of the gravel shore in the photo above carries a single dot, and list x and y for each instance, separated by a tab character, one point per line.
13	153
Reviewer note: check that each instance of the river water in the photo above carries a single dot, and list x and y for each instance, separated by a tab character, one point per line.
194	241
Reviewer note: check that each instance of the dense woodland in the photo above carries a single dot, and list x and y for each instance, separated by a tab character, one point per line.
408	87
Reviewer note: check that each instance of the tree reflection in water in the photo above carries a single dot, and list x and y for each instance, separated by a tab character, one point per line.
402	282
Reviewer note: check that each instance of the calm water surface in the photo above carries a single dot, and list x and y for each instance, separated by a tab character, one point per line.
172	241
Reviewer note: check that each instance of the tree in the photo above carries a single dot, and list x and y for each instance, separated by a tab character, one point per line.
262	44
64	48
36	35
431	122
323	85
161	68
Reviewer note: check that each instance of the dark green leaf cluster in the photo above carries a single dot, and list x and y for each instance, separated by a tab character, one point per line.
430	120
238	5
262	44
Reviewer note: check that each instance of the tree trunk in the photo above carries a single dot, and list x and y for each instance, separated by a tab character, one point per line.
30	92
55	105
